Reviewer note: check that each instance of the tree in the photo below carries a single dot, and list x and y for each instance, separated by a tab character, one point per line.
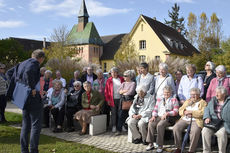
192	28
57	48
126	51
12	52
176	22
203	32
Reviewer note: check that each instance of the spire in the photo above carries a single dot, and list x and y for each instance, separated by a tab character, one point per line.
83	10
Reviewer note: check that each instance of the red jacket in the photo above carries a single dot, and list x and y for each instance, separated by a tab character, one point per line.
109	90
42	82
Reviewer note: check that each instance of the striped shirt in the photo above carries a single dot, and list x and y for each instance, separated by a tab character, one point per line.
171	106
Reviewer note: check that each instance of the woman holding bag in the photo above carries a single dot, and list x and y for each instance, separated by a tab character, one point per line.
127	91
217	113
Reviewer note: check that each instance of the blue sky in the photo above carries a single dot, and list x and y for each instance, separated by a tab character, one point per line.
36	19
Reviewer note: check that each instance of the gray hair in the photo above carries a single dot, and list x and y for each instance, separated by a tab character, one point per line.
130	73
187	66
114	69
141	88
87	83
76	72
221	68
196	90
58	71
222	89
58	82
99	71
2	65
164	66
38	53
168	88
48	71
212	65
77	83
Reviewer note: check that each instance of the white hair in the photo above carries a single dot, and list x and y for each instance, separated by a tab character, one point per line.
130	73
221	68
114	69
212	65
76	72
164	66
77	83
48	71
222	90
141	88
99	71
196	90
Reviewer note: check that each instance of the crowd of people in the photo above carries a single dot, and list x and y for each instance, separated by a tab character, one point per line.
144	103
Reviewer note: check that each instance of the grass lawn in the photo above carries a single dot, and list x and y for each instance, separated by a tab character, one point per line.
9	140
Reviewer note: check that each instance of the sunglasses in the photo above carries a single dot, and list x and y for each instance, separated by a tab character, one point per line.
125	75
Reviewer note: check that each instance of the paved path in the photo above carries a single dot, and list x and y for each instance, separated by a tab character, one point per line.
107	141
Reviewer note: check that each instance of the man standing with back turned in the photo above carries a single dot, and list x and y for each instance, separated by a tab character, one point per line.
33	109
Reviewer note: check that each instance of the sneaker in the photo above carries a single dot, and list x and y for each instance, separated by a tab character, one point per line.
155	145
117	133
159	150
124	129
149	147
114	129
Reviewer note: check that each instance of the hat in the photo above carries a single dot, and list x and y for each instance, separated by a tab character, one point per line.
2	66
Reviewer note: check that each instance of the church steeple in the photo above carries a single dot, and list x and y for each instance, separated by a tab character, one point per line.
82	17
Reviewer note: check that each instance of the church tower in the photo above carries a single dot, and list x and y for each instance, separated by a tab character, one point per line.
83	17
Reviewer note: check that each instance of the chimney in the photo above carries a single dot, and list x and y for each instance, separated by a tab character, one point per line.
44	42
154	18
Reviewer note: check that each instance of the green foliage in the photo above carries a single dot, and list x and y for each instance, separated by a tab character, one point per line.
192	28
12	52
67	66
176	22
126	51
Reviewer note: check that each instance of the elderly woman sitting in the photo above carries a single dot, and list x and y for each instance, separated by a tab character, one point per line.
73	104
56	106
220	80
192	109
139	115
91	102
165	107
217	111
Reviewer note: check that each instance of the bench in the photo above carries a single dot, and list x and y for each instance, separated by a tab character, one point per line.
98	124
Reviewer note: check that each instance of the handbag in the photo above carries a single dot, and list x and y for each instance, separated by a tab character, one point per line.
20	94
214	124
172	119
126	104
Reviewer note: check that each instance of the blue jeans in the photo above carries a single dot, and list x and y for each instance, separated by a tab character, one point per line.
31	123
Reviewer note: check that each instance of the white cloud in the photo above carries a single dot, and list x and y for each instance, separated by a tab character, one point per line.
11	24
11	9
69	8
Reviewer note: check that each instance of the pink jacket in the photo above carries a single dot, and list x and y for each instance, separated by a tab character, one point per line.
109	90
212	88
42	82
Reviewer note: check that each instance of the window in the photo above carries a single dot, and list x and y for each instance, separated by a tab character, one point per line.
142	58
157	57
105	67
142	44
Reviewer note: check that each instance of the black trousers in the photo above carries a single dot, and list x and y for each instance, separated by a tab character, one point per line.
58	115
70	111
2	107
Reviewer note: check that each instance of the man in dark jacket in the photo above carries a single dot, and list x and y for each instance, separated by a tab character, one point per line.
29	71
89	76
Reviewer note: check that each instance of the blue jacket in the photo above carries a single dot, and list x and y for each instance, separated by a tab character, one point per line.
225	112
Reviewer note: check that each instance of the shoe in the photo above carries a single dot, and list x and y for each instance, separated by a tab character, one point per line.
114	129
124	129
117	133
159	150
69	129
177	150
82	133
149	147
144	143
57	130
137	141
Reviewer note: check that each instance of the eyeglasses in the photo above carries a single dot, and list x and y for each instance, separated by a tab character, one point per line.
77	86
207	65
125	75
